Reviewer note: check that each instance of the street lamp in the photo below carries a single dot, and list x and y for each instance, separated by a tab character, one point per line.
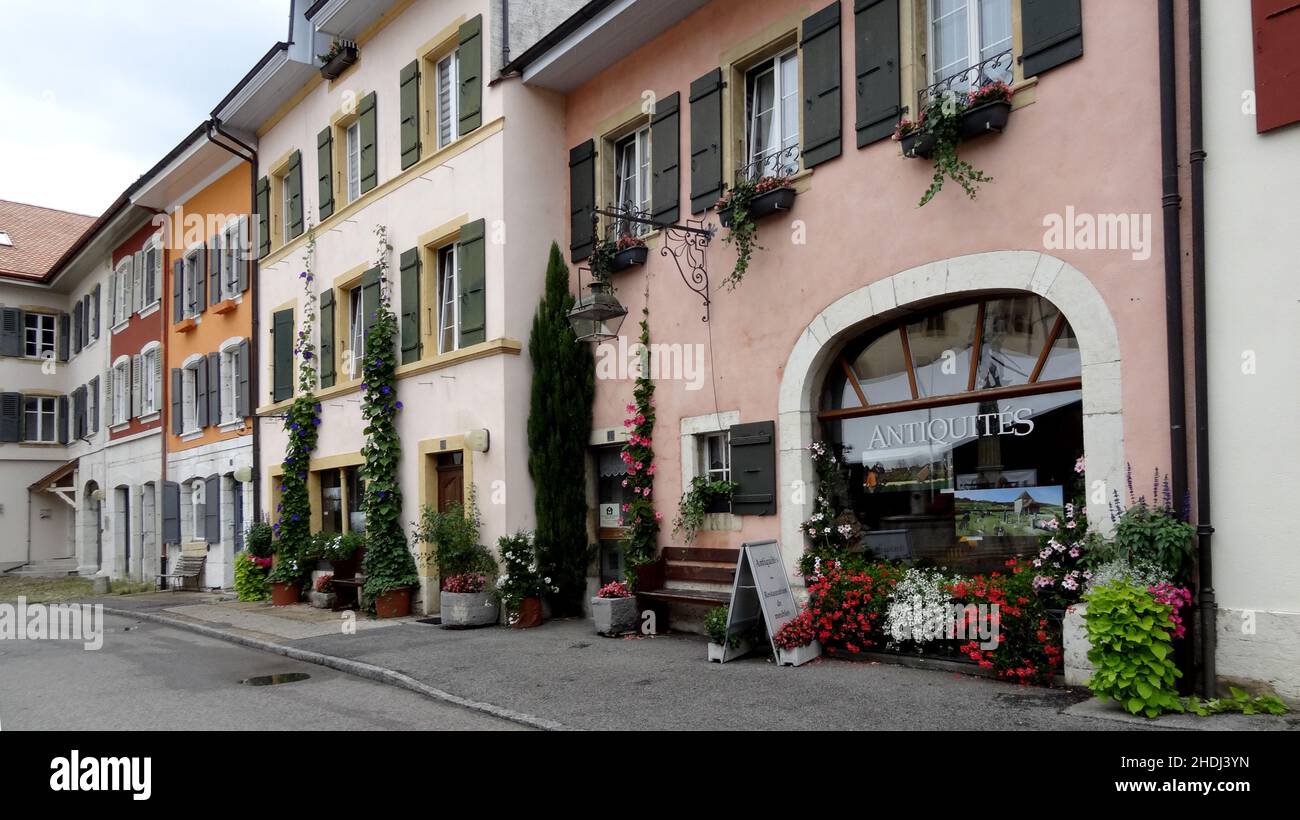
598	315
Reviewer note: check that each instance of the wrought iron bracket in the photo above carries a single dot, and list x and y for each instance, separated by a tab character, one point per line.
686	243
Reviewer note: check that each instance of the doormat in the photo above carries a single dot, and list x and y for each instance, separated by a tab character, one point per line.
434	621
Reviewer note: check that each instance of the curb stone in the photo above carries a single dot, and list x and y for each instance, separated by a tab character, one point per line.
351	667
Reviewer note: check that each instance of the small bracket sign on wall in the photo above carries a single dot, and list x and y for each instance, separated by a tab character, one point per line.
761	590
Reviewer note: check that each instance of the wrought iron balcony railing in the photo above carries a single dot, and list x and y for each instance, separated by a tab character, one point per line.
784	162
998	67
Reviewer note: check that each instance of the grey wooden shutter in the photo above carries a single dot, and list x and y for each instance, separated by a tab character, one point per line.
243	392
471	280
137	385
369	304
136	300
819	54
108	398
214	269
11	413
156	272
706	140
665	158
94	328
78	326
469	69
409	103
1053	33
178	291
295	195
178	396
410	319
753	468
156	375
212	509
327	352
171	512
201	394
200	281
282	355
263	217
876	66
11	331
214	389
92	394
63	419
369	142
78	413
65	335
582	199
325	171
242	258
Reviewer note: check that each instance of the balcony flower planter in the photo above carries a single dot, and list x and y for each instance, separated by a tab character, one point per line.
529	615
629	257
917	145
284	594
765	204
614	616
985	118
334	67
799	655
395	603
467	610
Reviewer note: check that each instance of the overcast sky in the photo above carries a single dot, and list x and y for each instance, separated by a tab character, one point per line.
93	93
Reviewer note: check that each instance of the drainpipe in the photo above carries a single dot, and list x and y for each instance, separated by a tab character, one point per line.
1204	530
248	153
1171	200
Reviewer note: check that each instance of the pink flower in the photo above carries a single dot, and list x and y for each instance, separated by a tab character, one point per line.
625	482
651	469
631	408
659	516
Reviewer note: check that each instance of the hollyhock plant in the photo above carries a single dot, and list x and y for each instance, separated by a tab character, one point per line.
641	520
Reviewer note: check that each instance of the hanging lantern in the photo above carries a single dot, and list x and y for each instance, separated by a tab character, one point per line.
597	316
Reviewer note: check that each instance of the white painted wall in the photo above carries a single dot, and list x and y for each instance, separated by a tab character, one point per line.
1253	298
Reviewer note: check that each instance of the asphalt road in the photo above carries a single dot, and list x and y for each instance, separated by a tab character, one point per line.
148	676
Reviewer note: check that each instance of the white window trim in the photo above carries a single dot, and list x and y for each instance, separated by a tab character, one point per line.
152	408
772	64
121	366
228	350
351	161
453	98
155	244
190	288
974	51
54	322
640	200
190	365
229	252
121	315
692	427
40	413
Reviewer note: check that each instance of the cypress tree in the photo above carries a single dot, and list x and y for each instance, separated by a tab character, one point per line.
559	427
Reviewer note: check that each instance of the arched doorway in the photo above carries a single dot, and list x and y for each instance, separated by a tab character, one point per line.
967	279
958	428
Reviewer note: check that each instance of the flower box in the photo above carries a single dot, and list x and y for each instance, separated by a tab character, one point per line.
799	655
322	600
336	65
614	616
721	654
466	610
629	257
765	204
918	145
984	118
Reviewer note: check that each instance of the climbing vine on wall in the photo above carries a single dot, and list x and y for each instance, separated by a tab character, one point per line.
388	562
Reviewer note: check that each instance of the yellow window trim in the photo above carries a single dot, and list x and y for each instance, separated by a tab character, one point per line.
429	449
774	39
431	243
428	55
914	44
627	120
381	190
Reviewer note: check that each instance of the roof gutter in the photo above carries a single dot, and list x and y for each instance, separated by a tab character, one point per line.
554	37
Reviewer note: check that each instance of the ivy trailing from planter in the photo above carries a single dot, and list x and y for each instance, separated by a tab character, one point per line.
302	424
696	501
641	535
742	229
938	132
388	562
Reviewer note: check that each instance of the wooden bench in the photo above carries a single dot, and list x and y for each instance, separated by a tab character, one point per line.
188	567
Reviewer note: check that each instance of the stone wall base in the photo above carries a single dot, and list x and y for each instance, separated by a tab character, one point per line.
1075	646
1257	649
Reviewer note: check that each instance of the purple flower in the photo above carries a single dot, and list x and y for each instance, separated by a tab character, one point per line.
316	422
385	390
398	405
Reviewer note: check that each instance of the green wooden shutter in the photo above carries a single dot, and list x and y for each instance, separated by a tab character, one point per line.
410	319
582	199
753	468
471	279
263	217
820	57
665	158
282	354
409	101
65	335
1053	33
327	352
469	68
214	270
369	303
369	143
706	140
325	171
876	59
295	195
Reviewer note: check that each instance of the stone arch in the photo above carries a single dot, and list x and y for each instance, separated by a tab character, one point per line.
1029	271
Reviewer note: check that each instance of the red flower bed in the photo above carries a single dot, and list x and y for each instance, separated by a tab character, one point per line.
465	582
1029	644
796	633
846	606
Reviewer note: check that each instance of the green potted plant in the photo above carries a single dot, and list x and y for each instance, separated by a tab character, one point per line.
461	562
630	250
286	579
705	495
250	577
334	62
614	610
739	210
521	584
259	540
723	647
947	120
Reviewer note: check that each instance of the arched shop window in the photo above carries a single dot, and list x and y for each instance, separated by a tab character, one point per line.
959	428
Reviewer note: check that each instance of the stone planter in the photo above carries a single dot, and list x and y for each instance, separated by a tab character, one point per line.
1075	646
614	616
629	257
799	655
765	204
466	610
322	600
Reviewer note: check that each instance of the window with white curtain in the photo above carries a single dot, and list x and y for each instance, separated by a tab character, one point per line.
447	115
353	159
772	115
448	303
964	33
356	332
632	170
151	367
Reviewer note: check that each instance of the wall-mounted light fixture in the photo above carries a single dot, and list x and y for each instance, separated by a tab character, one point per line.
478	440
243	474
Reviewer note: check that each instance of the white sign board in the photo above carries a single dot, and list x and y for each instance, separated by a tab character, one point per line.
610	515
761	589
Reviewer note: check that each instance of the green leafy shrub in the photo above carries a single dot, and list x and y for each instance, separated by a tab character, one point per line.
715	626
1132	650
259	540
521	576
452	536
250	579
696	501
1239	701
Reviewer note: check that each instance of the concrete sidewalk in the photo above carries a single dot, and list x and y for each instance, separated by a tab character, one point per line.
562	675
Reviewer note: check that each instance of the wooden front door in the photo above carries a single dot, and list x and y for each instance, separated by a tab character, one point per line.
451	480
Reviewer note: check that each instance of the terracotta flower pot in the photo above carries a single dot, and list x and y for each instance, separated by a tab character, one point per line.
395	603
529	614
283	594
